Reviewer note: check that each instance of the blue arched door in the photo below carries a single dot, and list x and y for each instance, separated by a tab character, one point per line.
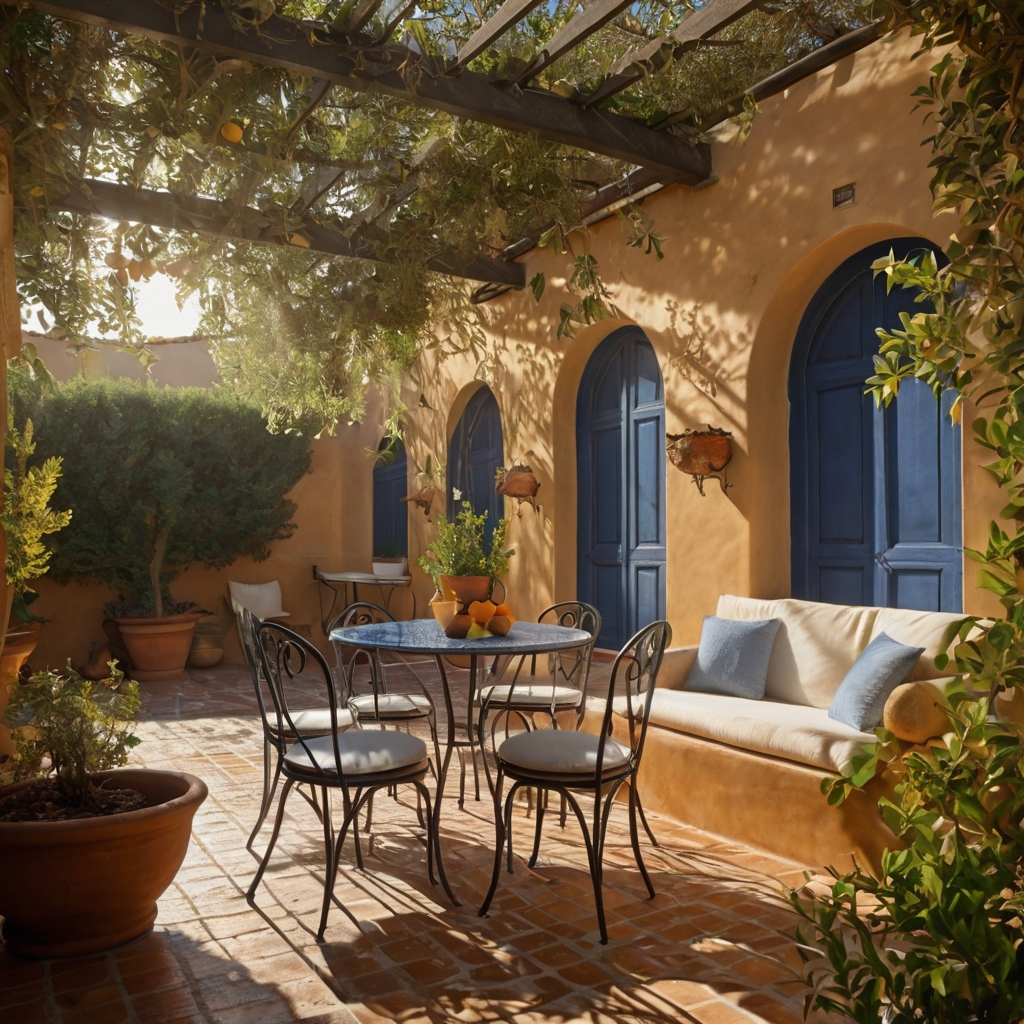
620	463
390	516
875	495
474	455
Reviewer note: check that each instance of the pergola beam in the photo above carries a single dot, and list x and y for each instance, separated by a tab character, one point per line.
510	13
702	24
207	216
317	51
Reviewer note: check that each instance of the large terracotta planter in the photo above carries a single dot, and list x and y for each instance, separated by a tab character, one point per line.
158	648
468	589
73	887
18	646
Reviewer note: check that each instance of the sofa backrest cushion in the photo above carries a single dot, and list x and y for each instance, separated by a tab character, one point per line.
918	629
814	647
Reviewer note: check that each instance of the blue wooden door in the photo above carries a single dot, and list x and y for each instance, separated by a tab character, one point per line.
620	460
875	495
390	516
474	455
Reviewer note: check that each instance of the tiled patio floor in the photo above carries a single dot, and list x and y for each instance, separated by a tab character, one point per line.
710	948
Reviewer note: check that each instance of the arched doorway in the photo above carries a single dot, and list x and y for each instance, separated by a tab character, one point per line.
620	464
474	455
390	516
875	495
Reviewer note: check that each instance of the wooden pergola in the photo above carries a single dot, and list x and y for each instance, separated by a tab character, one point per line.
352	57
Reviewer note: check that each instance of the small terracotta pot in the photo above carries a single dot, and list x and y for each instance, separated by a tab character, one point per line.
158	648
468	589
518	483
19	644
73	887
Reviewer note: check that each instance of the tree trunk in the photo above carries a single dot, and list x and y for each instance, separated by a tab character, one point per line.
155	568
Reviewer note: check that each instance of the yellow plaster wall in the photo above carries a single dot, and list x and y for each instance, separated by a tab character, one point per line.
743	258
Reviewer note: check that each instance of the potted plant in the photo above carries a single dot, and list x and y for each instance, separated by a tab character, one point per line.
389	561
26	518
161	479
85	851
456	559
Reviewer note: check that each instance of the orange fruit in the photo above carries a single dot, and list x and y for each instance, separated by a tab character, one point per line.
503	609
231	131
482	611
135	270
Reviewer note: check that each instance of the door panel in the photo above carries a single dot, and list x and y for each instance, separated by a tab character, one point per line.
390	516
474	455
620	431
875	495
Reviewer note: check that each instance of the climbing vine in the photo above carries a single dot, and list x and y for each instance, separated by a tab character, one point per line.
937	936
305	334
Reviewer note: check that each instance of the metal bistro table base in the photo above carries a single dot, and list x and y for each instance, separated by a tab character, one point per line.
425	636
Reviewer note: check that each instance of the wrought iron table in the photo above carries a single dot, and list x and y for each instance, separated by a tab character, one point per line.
425	636
332	580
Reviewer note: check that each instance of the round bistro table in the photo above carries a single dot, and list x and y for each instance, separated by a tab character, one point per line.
425	636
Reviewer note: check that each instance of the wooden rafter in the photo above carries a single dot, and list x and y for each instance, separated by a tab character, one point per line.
209	216
319	52
644	60
592	18
510	13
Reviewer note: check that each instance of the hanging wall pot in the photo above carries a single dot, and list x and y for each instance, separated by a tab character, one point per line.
520	483
422	499
702	454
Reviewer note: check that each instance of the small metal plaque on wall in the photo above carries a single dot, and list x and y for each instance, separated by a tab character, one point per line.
845	195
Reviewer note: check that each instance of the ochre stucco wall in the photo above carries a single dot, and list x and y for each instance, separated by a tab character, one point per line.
743	257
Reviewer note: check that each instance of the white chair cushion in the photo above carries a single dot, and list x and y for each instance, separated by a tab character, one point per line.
529	695
362	752
814	647
918	629
313	721
391	705
262	599
793	732
560	752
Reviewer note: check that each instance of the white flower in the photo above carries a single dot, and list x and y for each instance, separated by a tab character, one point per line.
456	494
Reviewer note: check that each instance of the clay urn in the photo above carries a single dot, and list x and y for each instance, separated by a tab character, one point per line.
158	648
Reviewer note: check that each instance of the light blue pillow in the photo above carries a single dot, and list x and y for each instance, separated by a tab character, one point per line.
733	657
882	666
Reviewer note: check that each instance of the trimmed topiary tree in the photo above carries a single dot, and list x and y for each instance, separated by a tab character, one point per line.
160	478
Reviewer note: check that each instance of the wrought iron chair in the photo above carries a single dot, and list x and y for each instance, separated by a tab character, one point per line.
568	763
309	721
381	704
356	762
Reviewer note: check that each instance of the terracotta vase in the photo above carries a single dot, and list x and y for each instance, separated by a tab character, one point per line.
73	887
18	647
468	589
158	648
444	611
207	647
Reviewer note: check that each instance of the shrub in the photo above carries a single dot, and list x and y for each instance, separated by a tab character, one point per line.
458	549
80	727
160	478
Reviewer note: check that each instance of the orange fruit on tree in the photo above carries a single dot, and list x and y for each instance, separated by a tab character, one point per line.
231	131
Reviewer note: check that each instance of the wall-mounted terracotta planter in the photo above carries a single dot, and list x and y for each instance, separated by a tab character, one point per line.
73	887
520	483
702	454
158	648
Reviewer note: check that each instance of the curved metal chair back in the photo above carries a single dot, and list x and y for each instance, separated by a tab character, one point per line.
285	655
360	613
248	626
635	671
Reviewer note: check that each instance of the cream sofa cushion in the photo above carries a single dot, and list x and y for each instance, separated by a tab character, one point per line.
814	647
918	629
793	732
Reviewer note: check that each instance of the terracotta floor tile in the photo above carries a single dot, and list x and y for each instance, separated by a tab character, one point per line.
393	941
